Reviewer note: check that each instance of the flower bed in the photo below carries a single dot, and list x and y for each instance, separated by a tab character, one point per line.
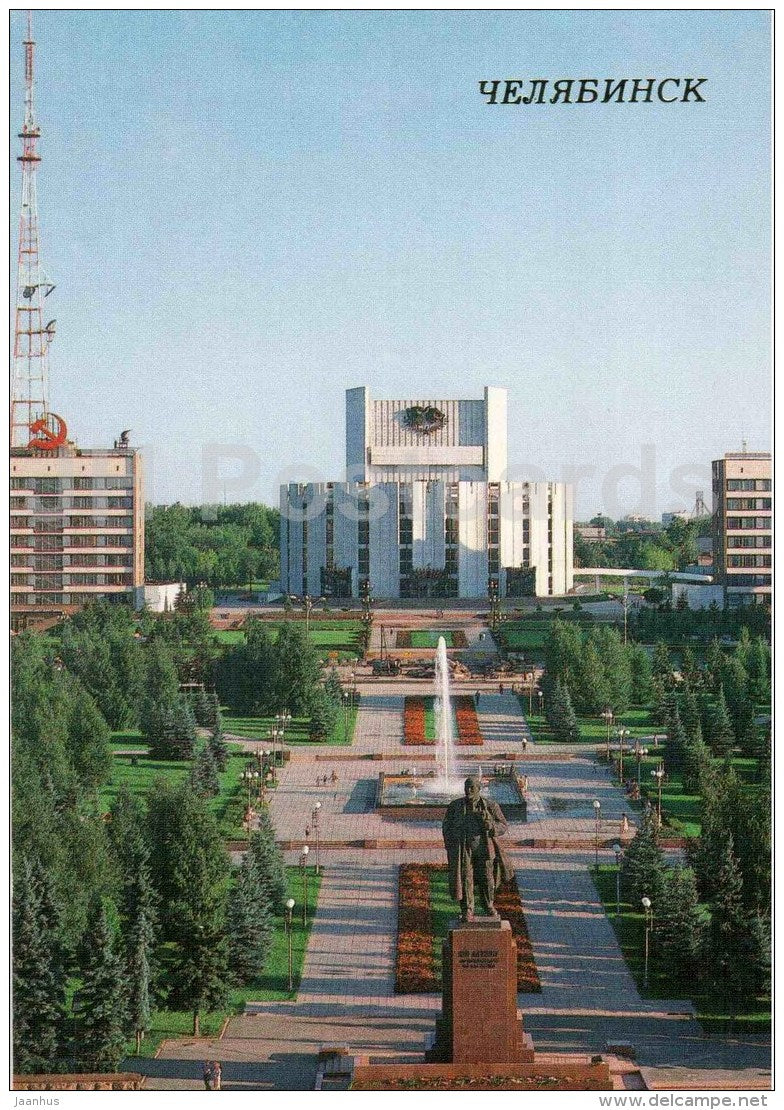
468	733
416	969
414	722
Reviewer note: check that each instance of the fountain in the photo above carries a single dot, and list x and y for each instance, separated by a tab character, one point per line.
427	796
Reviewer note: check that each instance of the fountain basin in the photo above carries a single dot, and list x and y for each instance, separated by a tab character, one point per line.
408	796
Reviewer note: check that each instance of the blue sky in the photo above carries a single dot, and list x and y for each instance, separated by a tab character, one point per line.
248	212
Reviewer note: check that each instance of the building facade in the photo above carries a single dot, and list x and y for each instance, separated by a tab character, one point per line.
426	510
743	526
77	530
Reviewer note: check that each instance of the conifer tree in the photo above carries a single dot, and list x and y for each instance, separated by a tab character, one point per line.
39	975
103	1012
733	940
217	743
642	868
266	860
204	773
676	741
714	664
201	708
139	946
249	925
679	921
561	715
720	735
641	674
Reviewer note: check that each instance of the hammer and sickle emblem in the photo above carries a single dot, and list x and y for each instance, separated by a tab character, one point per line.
48	432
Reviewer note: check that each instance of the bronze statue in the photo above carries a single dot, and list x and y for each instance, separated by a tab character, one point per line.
476	863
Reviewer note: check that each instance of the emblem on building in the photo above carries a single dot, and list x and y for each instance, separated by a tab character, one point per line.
48	432
424	418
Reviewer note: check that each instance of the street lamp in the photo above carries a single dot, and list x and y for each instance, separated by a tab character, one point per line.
249	777
597	812
289	913
618	855
622	734
607	716
345	695
315	818
540	694
640	754
303	863
658	773
648	908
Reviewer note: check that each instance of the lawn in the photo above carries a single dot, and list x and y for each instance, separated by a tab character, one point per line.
272	986
139	779
341	637
258	728
663	981
428	638
592	729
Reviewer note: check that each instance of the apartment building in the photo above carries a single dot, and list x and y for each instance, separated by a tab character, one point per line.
743	526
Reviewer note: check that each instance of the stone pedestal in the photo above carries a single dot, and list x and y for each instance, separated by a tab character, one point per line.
479	1021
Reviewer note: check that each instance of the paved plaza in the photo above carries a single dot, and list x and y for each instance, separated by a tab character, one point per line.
347	995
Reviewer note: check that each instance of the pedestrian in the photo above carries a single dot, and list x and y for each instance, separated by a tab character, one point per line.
334	777
476	698
207	1075
216	1076
500	687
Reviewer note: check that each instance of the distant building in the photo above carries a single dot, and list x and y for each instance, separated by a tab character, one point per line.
591	533
743	526
161	597
676	514
77	530
698	597
425	510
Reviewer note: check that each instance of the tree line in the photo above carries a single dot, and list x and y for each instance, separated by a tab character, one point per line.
134	909
648	546
230	545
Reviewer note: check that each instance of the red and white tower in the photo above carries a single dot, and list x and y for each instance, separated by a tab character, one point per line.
32	332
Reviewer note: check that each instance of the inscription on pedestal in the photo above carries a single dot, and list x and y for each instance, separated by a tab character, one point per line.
480	1022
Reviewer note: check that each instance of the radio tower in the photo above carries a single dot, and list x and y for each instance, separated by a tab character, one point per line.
30	394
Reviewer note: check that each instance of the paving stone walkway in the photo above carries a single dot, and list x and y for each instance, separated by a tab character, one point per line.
346	995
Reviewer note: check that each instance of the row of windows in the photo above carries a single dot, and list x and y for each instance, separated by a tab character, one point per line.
749	561
749	580
749	541
78	579
740	523
56	504
44	600
57	541
741	503
59	485
748	484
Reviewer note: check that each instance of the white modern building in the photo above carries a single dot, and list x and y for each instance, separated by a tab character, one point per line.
426	510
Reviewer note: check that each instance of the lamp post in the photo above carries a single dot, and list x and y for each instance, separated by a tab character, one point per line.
289	925
303	863
640	754
658	773
648	908
345	695
495	610
540	695
622	734
618	855
315	820
250	776
607	716
597	812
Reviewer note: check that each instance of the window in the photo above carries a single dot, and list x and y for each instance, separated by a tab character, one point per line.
21	483
17	502
762	484
119	503
20	522
82	503
47	485
84	483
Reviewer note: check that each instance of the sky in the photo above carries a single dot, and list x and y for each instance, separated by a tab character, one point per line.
248	212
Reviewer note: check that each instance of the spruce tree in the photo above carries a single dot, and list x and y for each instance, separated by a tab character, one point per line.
591	689
323	715
732	941
201	708
641	674
88	739
676	741
249	925
679	921
204	773
139	946
714	664
758	670
735	681
190	866
218	745
214	710
266	859
38	975
642	868
103	1016
720	735
561	715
